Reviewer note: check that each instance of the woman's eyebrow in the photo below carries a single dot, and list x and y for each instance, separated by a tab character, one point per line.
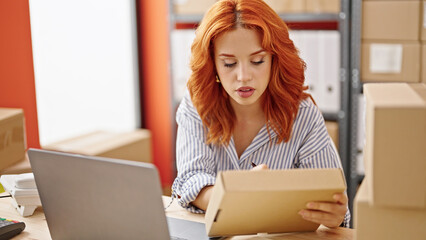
230	55
259	51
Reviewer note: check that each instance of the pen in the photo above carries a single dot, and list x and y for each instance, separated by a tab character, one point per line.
253	165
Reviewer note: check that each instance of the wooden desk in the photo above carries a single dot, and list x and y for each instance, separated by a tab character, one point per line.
36	226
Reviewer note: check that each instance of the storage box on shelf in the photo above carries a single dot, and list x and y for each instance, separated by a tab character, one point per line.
134	145
287	6
383	61
390	41
323	6
12	137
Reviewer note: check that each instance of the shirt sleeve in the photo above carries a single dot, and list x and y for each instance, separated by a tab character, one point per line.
194	158
317	149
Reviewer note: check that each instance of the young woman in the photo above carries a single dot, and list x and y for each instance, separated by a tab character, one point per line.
247	106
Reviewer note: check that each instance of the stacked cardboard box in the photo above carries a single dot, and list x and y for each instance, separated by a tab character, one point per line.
135	145
333	131
391	34
12	137
391	203
423	39
197	7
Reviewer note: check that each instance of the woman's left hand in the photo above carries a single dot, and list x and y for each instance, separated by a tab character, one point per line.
329	214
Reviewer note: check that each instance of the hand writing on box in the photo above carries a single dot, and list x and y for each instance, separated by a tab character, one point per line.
329	214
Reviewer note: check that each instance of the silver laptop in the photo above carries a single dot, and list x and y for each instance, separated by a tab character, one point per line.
86	197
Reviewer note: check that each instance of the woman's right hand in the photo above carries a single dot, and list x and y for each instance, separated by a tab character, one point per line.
260	167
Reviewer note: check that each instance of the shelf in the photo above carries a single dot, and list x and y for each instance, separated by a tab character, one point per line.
296	21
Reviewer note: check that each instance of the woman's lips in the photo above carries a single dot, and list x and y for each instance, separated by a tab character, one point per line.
245	92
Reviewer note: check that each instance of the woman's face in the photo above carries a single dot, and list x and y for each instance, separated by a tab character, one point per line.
243	66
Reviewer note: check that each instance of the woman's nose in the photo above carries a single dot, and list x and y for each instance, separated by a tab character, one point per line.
243	73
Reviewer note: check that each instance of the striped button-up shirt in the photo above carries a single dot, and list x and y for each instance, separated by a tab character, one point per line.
198	163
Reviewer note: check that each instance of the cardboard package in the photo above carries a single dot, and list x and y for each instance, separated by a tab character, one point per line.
333	131
390	61
250	202
390	20
287	6
323	6
423	70
395	151
22	166
192	7
423	21
135	145
12	136
382	223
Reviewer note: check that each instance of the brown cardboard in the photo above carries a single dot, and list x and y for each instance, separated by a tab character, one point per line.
22	166
381	223
333	131
135	145
323	6
423	21
192	7
395	150
287	6
391	20
423	70
250	202
12	136
409	62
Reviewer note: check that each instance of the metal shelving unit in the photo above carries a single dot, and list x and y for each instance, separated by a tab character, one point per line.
348	20
355	90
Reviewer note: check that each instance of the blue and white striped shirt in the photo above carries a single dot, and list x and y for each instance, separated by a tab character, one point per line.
198	163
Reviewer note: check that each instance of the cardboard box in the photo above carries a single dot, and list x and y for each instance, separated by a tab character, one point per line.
395	151
423	21
135	146
192	7
333	131
287	6
323	6
380	223
12	136
391	20
423	70
22	166
250	202
390	61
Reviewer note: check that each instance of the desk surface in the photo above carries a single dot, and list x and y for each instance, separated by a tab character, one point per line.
36	226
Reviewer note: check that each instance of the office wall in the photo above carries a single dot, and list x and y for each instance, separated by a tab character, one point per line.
17	87
155	55
85	66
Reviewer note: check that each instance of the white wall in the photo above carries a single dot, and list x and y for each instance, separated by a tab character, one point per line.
86	66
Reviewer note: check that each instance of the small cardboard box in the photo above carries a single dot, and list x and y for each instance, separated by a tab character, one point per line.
250	202
22	166
192	7
395	144
390	61
423	70
423	21
333	131
287	6
323	6
12	136
390	20
381	223
135	145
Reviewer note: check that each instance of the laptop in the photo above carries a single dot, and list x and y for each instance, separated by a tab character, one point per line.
86	197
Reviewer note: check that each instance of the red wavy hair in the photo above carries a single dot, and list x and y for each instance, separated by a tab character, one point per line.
286	88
